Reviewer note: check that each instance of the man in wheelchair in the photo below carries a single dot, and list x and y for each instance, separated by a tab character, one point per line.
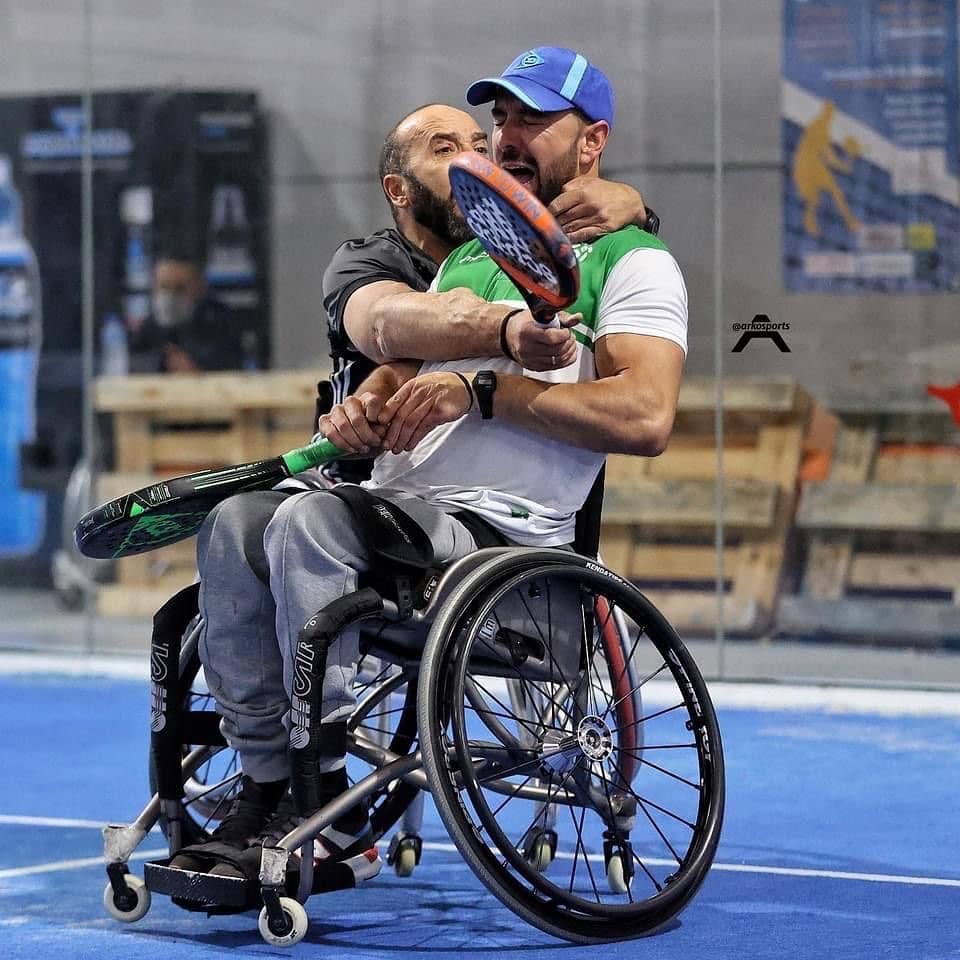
469	452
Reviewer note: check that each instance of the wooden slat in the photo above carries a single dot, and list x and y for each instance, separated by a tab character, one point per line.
696	612
827	567
675	561
890	507
702	462
900	463
117	600
261	390
616	548
194	450
763	395
915	622
109	486
906	571
673	504
133	444
760	561
829	564
921	423
854	454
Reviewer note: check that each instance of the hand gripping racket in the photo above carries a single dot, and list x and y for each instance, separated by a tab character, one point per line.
173	510
518	232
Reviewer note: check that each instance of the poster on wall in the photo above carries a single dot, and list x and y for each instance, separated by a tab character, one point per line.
869	115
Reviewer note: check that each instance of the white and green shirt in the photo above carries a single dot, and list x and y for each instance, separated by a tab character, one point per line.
527	485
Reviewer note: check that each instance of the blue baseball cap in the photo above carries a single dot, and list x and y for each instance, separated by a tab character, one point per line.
548	79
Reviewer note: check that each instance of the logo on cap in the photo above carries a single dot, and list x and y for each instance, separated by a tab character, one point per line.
531	59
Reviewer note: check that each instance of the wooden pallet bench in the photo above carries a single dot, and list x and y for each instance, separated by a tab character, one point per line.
882	532
660	514
165	426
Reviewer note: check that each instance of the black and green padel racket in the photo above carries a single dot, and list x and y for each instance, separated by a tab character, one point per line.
172	510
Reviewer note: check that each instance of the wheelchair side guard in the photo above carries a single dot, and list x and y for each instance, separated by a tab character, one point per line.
306	702
401	553
169	624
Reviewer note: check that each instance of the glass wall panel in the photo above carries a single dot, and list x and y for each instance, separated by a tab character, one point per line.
43	74
233	148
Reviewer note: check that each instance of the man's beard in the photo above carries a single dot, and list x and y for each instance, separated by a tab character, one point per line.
554	177
550	179
441	217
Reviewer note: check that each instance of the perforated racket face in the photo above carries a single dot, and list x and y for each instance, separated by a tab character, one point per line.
110	533
516	230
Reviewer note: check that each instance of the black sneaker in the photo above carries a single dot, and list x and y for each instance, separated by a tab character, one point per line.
344	852
252	808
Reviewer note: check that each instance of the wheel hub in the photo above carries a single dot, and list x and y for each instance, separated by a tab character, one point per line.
594	738
560	752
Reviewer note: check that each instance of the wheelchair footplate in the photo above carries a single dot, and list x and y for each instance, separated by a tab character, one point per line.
204	892
210	893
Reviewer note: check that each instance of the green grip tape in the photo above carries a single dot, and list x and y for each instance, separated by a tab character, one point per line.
312	455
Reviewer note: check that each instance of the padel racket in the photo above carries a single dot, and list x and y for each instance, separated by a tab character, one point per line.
173	510
518	232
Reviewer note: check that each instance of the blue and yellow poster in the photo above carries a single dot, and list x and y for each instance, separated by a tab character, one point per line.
871	147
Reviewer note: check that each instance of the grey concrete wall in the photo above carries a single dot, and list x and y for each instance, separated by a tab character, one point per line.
335	76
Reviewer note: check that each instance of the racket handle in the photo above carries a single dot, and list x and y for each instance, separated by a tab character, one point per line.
546	318
312	455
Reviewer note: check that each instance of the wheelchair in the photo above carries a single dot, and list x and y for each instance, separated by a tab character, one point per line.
562	728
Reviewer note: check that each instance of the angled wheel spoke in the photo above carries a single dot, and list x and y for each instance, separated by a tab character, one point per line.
578	828
668	773
528	725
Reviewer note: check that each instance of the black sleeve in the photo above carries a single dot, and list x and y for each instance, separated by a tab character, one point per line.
355	264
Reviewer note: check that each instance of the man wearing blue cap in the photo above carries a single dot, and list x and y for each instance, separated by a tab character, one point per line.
541	89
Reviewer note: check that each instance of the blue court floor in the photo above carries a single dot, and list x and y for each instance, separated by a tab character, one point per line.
840	841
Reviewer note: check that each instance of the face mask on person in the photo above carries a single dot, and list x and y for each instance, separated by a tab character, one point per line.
171	309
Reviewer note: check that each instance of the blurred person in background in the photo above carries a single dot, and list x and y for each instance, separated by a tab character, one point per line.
188	329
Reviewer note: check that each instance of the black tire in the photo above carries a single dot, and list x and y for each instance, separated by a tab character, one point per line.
475	749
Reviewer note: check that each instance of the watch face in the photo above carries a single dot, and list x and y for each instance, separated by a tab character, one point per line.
484	385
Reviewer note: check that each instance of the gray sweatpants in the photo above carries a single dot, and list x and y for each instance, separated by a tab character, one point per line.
268	561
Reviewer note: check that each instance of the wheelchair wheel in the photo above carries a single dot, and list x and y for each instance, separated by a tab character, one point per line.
624	747
386	714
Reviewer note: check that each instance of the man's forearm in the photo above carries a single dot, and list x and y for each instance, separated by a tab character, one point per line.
437	326
388	378
611	415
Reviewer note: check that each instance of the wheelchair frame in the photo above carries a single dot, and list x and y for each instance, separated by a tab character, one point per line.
580	742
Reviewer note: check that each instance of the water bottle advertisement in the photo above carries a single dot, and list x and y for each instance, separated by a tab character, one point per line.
21	325
181	271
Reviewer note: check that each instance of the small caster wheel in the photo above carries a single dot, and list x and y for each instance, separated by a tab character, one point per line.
404	853
616	880
405	862
295	924
540	849
132	906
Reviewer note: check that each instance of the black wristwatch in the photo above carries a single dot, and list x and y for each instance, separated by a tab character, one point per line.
652	223
484	387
